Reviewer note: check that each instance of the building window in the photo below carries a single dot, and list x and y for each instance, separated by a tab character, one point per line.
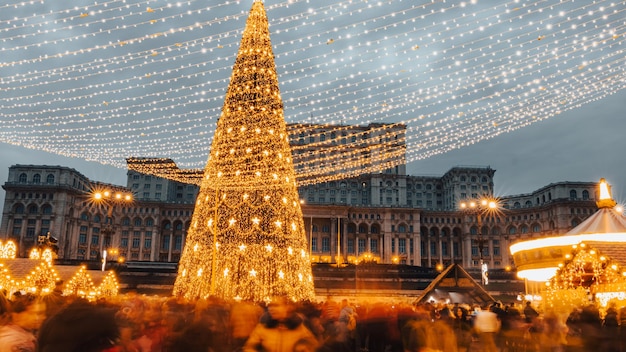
350	245
166	243
361	245
136	241
374	245
124	242
444	248
325	244
95	240
325	229
36	178
314	244
23	178
433	248
402	245
147	243
393	245
178	243
82	238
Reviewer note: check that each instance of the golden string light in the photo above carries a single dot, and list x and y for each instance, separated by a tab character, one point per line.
247	238
8	250
128	81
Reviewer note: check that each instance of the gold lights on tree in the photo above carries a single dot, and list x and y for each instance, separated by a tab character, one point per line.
247	238
8	250
81	285
109	286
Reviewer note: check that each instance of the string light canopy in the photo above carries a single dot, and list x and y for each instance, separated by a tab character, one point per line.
247	239
109	80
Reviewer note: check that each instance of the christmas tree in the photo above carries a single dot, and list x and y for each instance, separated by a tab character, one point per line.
247	240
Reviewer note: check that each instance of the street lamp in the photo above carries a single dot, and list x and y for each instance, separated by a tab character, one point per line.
108	199
479	207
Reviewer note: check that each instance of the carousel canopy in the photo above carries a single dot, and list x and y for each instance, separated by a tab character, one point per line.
605	220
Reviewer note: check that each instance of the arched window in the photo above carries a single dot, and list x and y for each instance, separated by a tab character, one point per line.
528	204
167	225
375	229
463	179
23	178
46	209
19	209
314	228
512	230
351	228
585	194
473	230
495	231
524	229
536	228
573	194
517	205
84	217
36	178
50	179
575	222
178	225
137	222
96	218
33	209
149	222
362	228
126	221
401	228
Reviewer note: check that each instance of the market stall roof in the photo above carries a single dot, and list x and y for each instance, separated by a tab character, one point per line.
20	268
457	286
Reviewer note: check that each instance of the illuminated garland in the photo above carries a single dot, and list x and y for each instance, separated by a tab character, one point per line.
247	238
130	78
585	272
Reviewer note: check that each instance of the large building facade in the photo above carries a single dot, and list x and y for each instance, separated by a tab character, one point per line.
387	218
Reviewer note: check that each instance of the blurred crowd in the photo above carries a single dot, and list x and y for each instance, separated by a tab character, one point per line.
138	323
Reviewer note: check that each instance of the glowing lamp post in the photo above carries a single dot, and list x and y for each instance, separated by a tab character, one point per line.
108	199
478	208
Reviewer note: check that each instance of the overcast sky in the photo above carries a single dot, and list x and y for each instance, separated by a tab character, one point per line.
533	89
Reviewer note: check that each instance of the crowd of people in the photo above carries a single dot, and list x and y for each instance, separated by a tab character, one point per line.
137	323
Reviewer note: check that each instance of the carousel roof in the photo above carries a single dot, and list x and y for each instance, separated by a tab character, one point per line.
605	220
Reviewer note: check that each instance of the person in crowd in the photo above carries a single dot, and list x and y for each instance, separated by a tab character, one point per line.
552	333
280	330
79	327
487	325
27	312
243	318
530	314
610	327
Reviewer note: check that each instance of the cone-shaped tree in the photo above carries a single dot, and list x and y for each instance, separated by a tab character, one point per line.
247	239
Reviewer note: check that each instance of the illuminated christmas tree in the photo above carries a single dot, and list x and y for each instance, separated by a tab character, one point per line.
246	239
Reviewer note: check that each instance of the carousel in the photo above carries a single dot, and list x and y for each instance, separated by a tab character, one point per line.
585	265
